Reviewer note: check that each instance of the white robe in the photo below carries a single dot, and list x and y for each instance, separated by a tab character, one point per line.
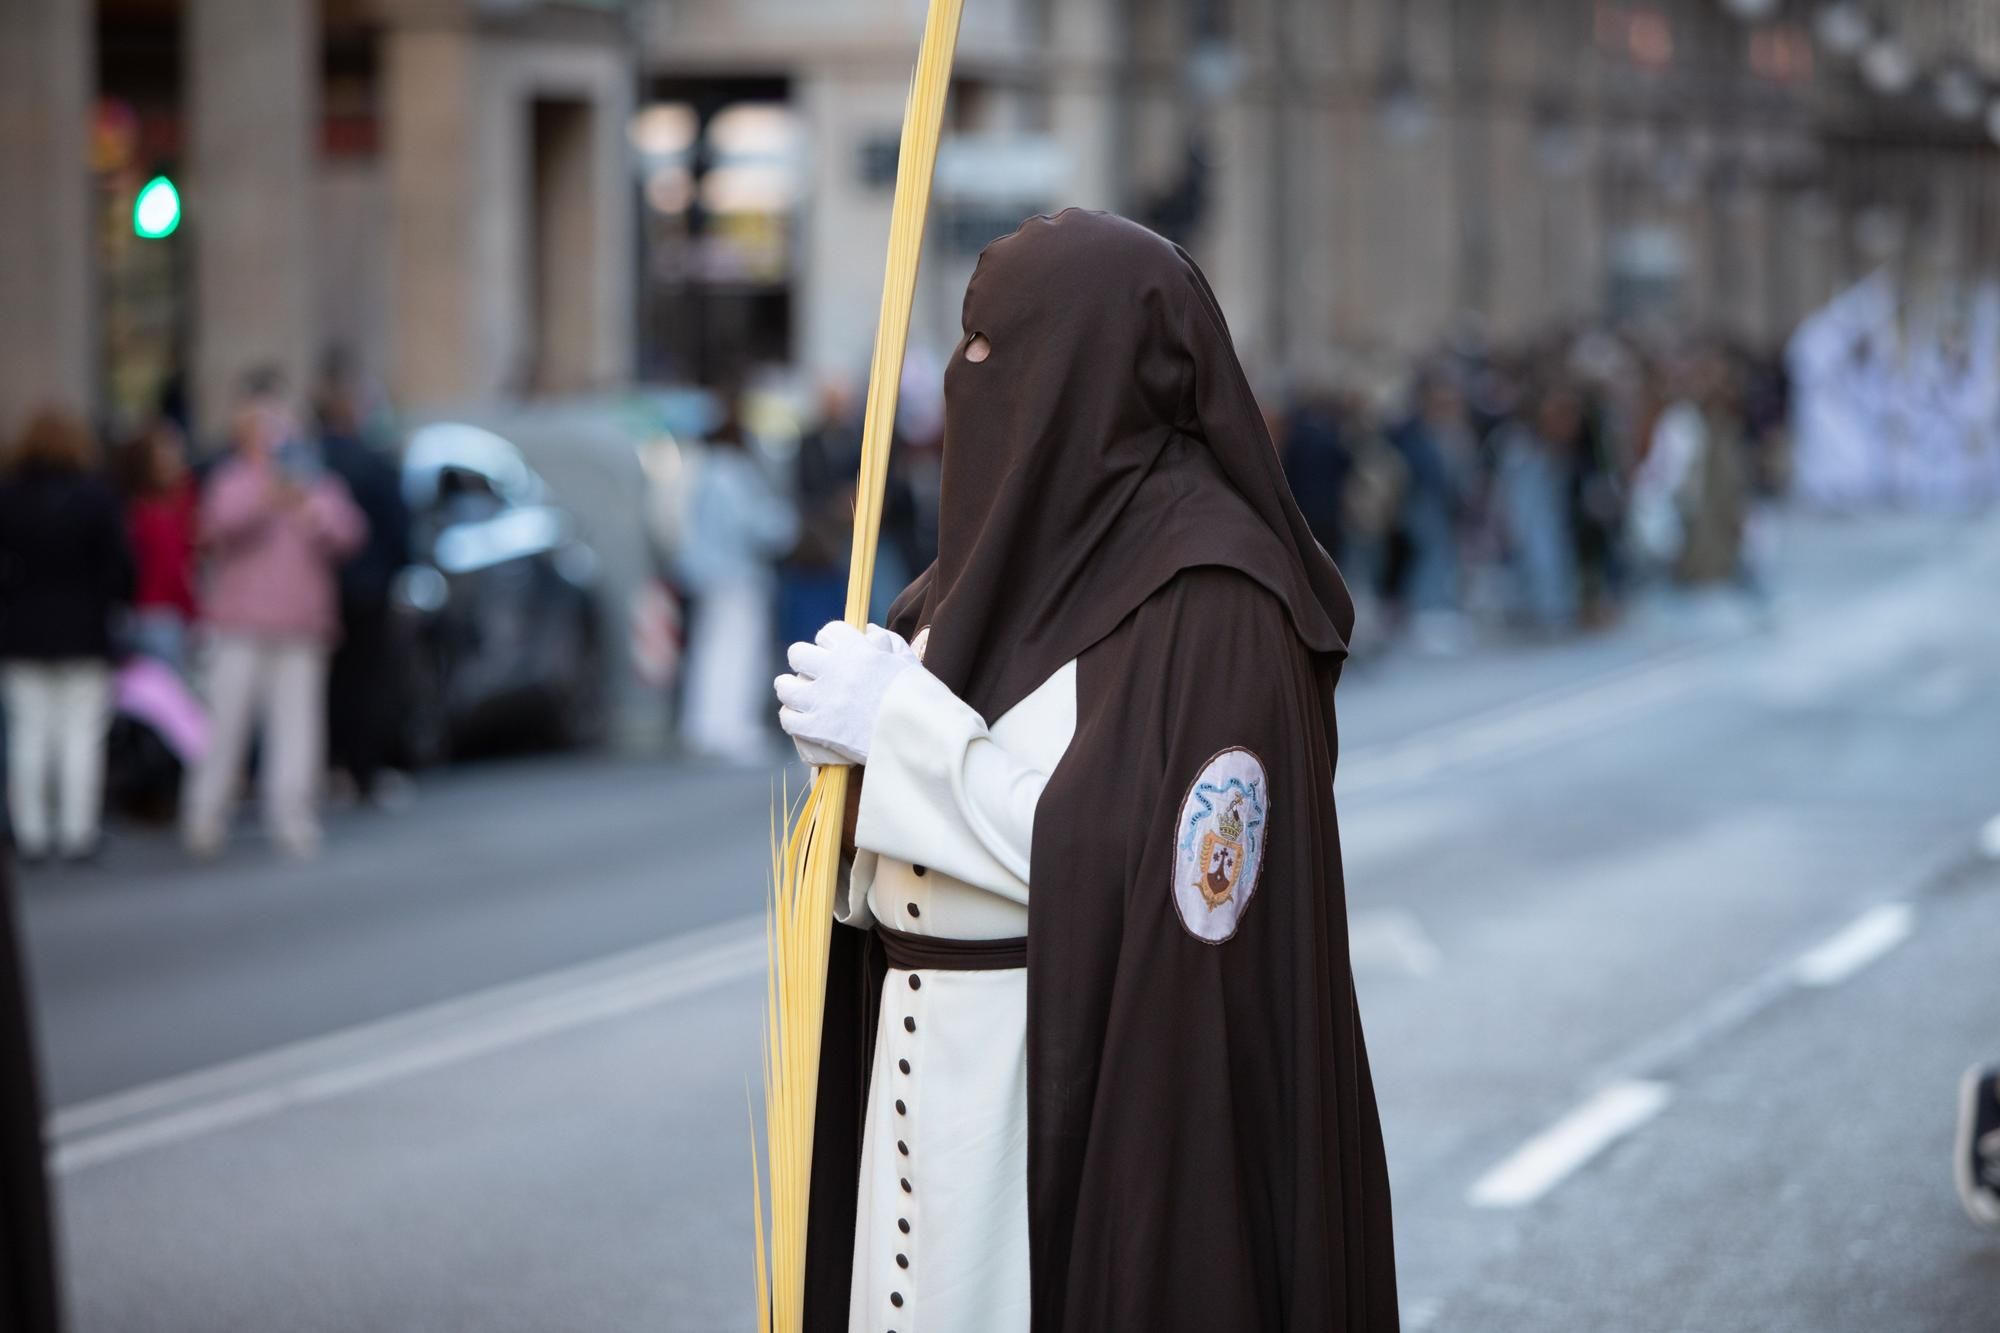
1845	421
946	824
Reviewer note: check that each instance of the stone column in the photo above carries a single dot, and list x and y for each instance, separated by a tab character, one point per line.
511	216
46	84
840	275
253	110
443	235
1089	108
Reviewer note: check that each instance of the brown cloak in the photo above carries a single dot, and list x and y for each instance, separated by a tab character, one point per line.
1204	1151
27	1248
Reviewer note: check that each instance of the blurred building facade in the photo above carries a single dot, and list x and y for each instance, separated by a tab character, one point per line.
495	197
1365	174
439	185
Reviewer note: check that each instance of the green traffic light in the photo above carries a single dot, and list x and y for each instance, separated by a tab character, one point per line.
156	213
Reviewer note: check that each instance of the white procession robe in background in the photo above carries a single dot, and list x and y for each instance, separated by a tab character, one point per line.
947	820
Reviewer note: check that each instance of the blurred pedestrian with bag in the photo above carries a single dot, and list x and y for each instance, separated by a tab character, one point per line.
64	572
275	526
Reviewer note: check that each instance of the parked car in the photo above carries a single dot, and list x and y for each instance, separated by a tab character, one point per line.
500	616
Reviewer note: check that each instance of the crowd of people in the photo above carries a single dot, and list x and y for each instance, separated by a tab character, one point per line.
1477	491
1480	489
165	616
1526	489
1532	488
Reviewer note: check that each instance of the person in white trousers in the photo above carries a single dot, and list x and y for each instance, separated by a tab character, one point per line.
64	569
739	524
57	713
276	528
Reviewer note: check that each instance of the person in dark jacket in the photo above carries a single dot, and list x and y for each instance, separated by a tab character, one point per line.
361	695
64	571
1317	464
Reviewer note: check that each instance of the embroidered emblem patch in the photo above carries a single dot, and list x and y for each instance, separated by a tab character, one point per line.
921	642
1219	844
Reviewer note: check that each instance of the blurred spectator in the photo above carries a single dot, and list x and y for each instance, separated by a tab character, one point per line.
1674	442
1597	509
738	525
913	494
275	526
1691	491
813	583
64	569
1718	497
1442	464
1535	463
362	694
1316	464
1371	500
161	512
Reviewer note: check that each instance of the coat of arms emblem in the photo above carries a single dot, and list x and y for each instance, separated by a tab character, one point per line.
1219	847
1222	854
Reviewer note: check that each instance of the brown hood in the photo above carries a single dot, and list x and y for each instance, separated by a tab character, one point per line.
1109	441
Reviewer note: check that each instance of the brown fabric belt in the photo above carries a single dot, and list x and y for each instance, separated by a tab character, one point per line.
911	953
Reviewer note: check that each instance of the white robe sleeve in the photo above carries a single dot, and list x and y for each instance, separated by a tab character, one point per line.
941	792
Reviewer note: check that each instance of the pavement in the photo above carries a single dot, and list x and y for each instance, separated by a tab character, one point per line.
1672	943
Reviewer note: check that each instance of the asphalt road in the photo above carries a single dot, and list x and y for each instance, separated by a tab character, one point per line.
1672	944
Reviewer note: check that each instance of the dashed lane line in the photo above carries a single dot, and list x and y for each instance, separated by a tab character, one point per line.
1635	1088
1552	1156
1867	938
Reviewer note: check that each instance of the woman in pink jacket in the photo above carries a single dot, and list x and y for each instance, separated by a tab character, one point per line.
275	528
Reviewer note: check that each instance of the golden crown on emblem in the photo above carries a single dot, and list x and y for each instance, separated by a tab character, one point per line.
1231	824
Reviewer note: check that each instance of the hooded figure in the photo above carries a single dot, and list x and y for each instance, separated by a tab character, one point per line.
1135	1097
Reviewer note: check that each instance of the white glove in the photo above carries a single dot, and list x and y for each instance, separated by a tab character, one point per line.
828	706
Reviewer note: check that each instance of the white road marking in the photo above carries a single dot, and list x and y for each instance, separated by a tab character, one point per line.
1989	839
325	1068
1865	939
1390	941
1546	1160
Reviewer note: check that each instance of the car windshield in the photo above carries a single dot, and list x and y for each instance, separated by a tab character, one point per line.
456	466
